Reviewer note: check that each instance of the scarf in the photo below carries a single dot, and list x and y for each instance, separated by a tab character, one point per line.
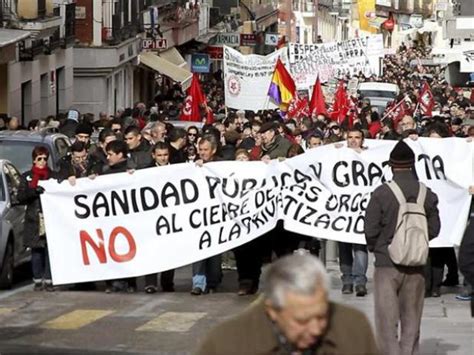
38	174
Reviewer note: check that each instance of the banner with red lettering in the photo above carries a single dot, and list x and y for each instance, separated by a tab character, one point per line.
156	219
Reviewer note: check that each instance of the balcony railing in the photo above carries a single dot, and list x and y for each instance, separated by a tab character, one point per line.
121	21
6	11
29	53
115	35
54	42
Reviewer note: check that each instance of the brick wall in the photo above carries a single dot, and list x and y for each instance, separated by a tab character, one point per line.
84	27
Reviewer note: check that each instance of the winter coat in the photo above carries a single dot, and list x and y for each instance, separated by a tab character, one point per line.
67	169
252	332
140	157
176	155
278	148
121	167
29	197
382	213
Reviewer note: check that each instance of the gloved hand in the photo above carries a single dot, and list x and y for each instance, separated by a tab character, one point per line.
39	190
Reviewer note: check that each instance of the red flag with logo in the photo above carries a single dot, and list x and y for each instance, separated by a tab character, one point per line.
317	105
426	100
298	108
340	106
194	100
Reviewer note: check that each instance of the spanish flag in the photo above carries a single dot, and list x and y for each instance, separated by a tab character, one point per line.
282	87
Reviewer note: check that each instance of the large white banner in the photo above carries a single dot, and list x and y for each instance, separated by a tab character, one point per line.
338	59
247	79
156	219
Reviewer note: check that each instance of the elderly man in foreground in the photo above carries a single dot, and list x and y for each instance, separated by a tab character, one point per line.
293	316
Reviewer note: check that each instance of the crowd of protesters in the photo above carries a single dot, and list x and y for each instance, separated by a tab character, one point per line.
143	137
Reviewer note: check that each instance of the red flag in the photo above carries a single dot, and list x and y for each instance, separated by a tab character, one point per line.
426	100
317	104
298	108
341	103
399	112
192	104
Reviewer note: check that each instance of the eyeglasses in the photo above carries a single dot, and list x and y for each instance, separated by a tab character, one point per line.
41	158
192	134
116	130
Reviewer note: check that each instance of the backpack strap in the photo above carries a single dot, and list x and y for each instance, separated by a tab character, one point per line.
397	192
421	195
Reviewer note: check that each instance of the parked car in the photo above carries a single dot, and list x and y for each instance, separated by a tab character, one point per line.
16	146
12	250
379	94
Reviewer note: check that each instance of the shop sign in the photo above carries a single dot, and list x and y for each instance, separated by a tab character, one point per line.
200	63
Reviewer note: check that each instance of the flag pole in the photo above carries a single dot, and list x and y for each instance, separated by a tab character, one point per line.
267	100
393	109
416	109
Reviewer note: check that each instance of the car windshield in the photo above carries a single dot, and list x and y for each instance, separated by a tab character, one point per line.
377	93
19	153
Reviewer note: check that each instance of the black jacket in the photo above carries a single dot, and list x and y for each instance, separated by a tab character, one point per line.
382	213
97	160
140	157
121	167
466	253
67	168
30	198
176	155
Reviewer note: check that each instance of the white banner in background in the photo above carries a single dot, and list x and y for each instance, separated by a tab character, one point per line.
338	59
247	79
162	218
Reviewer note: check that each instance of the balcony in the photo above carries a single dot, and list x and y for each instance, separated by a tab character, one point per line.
116	34
52	43
180	17
307	9
120	22
29	53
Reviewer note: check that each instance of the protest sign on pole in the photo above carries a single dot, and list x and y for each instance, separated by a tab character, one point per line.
247	79
338	59
130	225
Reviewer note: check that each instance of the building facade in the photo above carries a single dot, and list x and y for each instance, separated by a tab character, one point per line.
126	47
36	58
310	21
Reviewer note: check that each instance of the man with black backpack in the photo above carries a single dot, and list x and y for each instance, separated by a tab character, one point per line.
401	218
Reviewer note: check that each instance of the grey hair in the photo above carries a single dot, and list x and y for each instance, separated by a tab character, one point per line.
302	274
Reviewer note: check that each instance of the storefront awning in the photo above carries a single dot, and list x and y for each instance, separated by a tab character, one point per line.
163	66
172	55
377	22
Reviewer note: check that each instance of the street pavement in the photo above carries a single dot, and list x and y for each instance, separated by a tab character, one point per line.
92	322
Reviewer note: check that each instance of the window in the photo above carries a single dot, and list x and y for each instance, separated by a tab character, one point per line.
19	153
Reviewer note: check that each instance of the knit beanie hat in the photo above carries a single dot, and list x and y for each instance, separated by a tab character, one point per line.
402	156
